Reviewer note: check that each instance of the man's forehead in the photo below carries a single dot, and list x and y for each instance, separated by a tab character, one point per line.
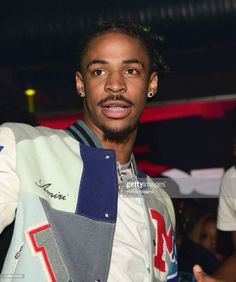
113	45
107	39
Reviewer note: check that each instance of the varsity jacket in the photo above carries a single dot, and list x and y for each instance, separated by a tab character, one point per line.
61	187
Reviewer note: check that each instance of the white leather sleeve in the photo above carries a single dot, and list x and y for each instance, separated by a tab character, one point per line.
9	183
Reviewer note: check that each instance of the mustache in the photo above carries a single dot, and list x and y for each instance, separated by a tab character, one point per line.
114	97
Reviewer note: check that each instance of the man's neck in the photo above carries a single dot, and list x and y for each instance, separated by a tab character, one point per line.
122	148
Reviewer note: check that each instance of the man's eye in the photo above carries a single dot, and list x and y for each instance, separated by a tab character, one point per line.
131	71
98	72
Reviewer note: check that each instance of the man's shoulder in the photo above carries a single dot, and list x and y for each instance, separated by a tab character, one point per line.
23	131
228	178
231	172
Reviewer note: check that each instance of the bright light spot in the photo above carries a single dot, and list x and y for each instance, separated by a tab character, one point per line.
30	92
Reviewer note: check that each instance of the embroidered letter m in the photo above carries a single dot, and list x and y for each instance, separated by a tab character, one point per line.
164	242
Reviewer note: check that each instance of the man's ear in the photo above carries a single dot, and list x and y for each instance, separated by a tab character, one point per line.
79	82
153	82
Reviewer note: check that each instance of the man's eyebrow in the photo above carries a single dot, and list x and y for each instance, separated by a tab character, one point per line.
96	62
103	62
133	61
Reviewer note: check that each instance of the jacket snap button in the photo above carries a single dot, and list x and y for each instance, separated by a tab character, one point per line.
107	214
107	157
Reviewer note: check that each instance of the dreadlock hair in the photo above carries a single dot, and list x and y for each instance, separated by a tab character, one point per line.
137	31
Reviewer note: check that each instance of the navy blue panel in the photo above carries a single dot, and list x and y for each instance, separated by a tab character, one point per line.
99	185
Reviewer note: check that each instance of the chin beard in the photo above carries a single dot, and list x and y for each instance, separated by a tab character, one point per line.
118	136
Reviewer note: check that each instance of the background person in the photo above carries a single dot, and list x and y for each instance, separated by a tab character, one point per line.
205	234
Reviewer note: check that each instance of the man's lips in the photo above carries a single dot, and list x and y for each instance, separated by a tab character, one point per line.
115	106
116	109
111	104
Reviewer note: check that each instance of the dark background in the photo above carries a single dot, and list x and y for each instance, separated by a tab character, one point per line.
38	42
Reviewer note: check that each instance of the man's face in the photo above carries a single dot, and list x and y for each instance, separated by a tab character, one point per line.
115	79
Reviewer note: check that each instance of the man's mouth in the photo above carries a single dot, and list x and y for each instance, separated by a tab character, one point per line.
115	107
116	110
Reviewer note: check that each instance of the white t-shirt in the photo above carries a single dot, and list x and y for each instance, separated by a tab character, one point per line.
130	259
227	204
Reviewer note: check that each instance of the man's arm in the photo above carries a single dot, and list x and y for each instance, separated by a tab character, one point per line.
226	273
201	276
9	183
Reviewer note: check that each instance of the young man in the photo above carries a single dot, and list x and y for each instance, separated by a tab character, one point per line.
74	219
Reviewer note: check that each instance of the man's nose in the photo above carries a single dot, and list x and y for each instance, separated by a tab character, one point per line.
115	83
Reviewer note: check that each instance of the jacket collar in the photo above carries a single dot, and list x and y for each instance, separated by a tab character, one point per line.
83	134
